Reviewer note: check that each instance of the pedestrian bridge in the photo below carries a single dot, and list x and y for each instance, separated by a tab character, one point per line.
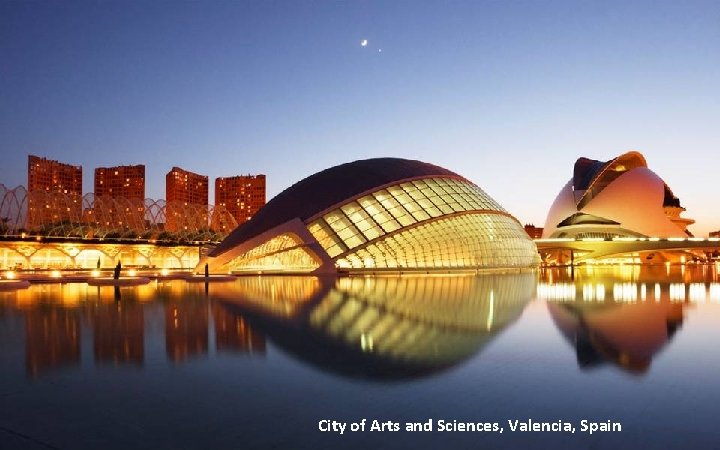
648	249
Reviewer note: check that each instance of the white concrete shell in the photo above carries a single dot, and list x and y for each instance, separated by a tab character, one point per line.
621	197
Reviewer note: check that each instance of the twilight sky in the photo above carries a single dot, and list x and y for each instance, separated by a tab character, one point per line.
507	93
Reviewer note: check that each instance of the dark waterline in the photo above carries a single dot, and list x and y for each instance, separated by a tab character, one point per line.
259	362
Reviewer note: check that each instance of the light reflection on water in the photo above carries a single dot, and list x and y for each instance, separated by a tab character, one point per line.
411	347
383	327
59	319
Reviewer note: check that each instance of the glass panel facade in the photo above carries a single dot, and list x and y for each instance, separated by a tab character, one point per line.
476	240
327	238
387	210
283	253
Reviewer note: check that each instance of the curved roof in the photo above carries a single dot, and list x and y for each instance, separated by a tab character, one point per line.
597	176
587	171
621	191
584	172
324	189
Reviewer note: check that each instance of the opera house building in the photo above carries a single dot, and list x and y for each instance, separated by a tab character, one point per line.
618	198
375	215
620	212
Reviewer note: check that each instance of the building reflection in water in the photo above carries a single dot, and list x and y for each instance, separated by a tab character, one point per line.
384	327
54	316
380	327
52	339
628	335
119	333
623	315
186	329
234	334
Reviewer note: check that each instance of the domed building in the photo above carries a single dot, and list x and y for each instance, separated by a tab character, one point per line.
383	214
617	198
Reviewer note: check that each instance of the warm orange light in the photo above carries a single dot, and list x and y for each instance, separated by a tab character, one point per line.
164	272
55	274
132	272
10	275
95	273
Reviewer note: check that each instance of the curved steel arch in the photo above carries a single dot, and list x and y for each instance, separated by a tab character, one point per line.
58	214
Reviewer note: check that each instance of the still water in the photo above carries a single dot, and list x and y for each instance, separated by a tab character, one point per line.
261	362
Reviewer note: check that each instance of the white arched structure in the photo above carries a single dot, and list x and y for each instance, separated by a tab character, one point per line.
618	198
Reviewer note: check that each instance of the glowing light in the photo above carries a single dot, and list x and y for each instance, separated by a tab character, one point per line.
55	274
366	342
364	43
625	292
591	293
10	275
600	292
132	272
164	272
95	273
715	292
556	292
491	315
697	292
677	292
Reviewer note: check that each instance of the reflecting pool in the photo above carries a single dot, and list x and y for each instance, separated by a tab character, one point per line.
273	362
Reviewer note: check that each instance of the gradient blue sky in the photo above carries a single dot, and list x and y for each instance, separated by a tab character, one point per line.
507	93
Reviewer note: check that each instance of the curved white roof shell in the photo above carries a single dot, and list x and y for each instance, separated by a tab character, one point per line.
620	197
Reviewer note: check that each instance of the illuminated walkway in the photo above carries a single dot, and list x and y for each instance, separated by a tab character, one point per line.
49	254
565	250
